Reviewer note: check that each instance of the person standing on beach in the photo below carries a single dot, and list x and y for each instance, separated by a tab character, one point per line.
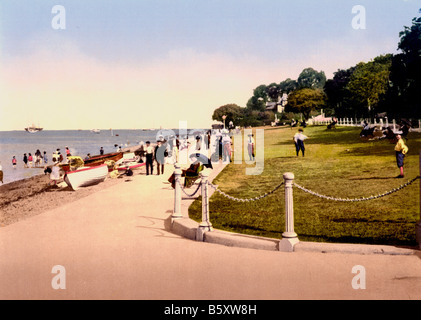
38	158
68	154
401	150
55	172
14	162
101	151
45	157
149	158
299	141
25	161
30	159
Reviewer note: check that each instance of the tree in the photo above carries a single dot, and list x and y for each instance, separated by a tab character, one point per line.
337	92
273	92
287	86
261	92
256	104
369	84
405	74
232	112
310	78
305	100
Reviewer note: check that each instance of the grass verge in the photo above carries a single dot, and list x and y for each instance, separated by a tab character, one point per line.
338	164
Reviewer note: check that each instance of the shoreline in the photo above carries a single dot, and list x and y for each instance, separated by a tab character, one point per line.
32	196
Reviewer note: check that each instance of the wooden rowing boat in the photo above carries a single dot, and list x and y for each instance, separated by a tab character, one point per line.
86	176
96	160
131	165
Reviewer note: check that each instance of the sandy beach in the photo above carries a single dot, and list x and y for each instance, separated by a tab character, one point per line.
29	197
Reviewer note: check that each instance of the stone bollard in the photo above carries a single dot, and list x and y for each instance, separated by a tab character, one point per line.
177	193
289	237
205	225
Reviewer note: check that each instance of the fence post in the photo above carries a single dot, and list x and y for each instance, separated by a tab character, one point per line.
177	193
418	225
289	237
205	225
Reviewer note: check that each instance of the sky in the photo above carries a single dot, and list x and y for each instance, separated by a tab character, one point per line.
134	64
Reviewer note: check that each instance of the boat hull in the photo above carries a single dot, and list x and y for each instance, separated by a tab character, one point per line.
97	160
86	176
131	165
33	130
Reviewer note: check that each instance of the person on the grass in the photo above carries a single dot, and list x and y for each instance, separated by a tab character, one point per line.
401	150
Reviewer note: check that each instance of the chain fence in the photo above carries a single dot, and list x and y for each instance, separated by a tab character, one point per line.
357	199
184	191
247	199
216	188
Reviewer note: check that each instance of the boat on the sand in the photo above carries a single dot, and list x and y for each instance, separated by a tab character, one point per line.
100	159
86	176
128	161
129	165
94	161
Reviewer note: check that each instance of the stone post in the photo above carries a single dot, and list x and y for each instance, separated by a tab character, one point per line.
177	193
205	225
289	237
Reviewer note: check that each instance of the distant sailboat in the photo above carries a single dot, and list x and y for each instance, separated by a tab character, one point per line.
95	131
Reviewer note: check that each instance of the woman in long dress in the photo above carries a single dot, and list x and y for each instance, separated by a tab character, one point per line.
55	172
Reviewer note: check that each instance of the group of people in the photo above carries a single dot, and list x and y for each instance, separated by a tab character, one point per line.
30	160
39	159
401	149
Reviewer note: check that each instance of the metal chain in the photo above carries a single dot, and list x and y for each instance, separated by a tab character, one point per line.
356	199
184	191
244	200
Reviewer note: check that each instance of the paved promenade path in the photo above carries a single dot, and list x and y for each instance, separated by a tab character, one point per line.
115	244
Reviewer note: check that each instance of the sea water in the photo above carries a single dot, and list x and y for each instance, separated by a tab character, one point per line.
80	143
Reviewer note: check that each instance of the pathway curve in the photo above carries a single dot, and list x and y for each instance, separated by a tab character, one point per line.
115	244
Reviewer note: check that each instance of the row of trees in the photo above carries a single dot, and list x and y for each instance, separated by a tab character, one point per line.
388	83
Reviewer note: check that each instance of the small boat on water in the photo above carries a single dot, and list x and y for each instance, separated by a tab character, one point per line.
86	176
96	131
33	129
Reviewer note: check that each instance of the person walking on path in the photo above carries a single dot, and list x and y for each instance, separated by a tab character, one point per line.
299	141
149	158
401	150
160	152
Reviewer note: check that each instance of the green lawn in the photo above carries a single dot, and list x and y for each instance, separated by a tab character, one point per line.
337	164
